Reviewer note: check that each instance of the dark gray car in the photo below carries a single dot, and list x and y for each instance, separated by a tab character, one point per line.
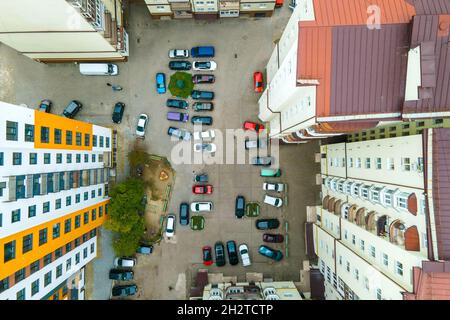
72	109
240	207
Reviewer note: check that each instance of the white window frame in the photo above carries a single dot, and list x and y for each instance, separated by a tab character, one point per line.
385	260
367	163
390	162
378	163
406	164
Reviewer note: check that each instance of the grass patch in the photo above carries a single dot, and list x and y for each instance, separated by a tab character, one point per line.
252	209
197	223
181	84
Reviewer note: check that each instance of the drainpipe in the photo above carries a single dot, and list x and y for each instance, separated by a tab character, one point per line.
425	183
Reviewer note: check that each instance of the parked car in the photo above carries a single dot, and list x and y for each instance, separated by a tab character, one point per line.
124	291
119	109
205	135
258	81
121	274
266	224
202	95
179	133
261	161
270	173
273	201
205	147
204	65
202	52
205	206
203	106
144	249
203	78
160	83
268	252
206	120
45	105
184	214
170	226
252	144
177	116
177	103
125	262
220	254
249	125
207	256
240	207
72	109
202	189
245	257
274	238
141	125
277	187
178	53
279	3
201	177
292	4
180	65
232	252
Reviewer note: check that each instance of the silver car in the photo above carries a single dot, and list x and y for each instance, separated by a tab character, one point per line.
277	187
141	125
178	53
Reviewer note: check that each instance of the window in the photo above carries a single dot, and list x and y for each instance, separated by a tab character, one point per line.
1	158
378	163
35	266
356	274
340	260
58	204
92	247
33	158
77	221
42	236
93	157
92	194
27	243
59	271
87	139
47	158
67	225
4	284
68	200
365	192
379	294
345	234
46	207
47	278
358	162
85	253
366	283
77	258
362	245
69	158
367	163
94	140
56	230
15	216
29	133
402	201
78	139
372	251
69	247
11	131
101	141
350	162
94	214
34	287
86	158
77	198
59	158
100	211
45	134
78	158
47	259
68	264
390	164
353	239
86	196
348	266
406	164
107	142
68	137
385	259
86	218
399	268
20	295
58	253
17	158
58	136
9	251
19	275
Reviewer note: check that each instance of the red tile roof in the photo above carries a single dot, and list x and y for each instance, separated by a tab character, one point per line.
431	282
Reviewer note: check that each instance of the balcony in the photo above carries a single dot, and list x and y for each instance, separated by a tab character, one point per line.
92	10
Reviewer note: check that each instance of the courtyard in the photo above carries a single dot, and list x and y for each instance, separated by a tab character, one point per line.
242	47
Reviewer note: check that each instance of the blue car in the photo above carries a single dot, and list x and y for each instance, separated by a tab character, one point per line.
160	83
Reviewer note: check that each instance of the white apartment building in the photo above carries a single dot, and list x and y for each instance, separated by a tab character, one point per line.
382	215
54	174
65	30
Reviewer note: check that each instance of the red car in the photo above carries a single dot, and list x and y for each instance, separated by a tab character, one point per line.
202	189
278	3
258	81
248	125
207	255
274	238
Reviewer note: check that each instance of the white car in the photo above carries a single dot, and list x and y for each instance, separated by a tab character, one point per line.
204	135
124	262
245	258
273	201
277	187
204	65
205	147
201	206
141	125
178	53
251	144
170	226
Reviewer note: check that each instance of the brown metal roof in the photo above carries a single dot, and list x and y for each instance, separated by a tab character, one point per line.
441	190
309	235
431	6
317	283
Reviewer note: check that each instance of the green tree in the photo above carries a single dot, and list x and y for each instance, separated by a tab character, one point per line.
181	85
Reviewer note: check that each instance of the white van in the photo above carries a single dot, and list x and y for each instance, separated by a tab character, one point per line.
99	69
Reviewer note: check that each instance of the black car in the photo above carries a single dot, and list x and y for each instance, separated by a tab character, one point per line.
265	224
184	214
124	291
206	120
203	106
261	161
72	109
274	238
240	207
205	95
203	78
45	105
176	103
202	177
220	254
180	65
232	252
117	115
120	274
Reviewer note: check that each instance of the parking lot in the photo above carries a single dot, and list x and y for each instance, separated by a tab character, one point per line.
242	47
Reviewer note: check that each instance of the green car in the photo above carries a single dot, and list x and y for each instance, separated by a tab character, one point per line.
270	173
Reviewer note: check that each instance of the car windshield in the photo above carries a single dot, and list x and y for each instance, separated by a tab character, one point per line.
244	251
206	255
